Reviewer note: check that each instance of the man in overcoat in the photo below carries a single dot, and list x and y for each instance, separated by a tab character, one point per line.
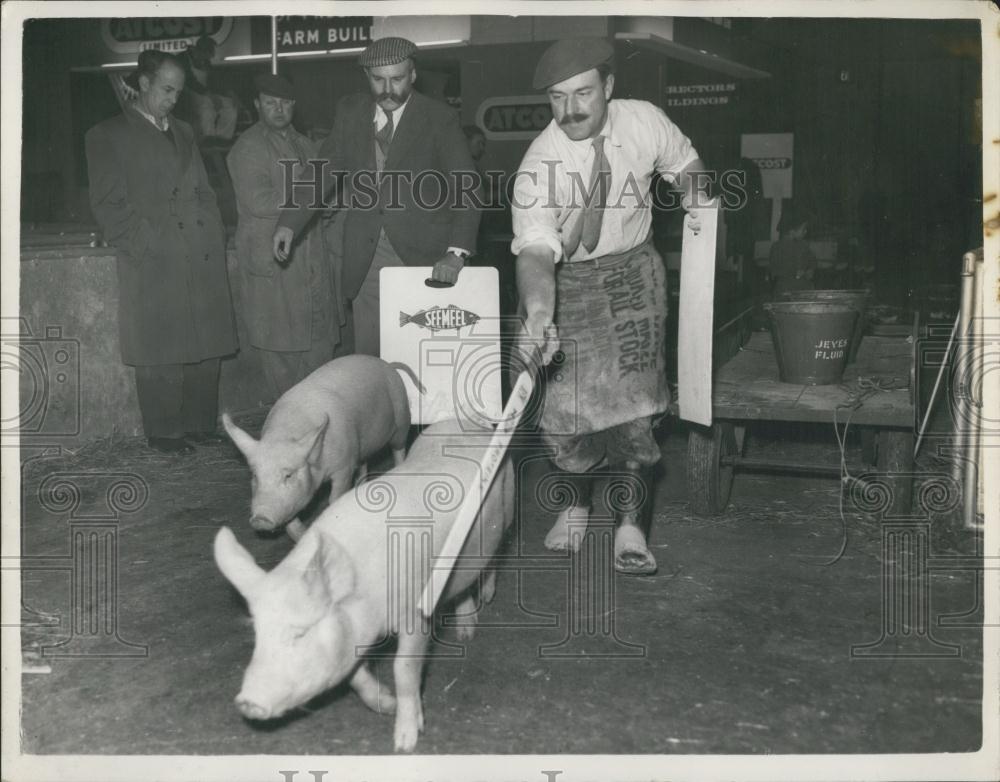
384	147
288	308
150	195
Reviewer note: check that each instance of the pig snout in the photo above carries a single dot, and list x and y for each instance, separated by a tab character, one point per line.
251	710
262	523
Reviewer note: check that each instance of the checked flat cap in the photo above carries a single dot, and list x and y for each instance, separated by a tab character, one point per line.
569	57
387	51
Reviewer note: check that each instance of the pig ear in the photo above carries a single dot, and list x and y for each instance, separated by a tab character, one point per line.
243	441
236	563
329	571
316	447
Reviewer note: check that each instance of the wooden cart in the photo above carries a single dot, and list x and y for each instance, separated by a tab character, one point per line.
747	389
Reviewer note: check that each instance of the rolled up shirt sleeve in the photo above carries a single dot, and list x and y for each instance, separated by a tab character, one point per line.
534	212
674	149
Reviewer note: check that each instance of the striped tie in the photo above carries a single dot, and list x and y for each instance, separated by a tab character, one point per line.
587	230
384	136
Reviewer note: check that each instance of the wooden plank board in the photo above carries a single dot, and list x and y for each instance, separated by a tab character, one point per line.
695	317
748	388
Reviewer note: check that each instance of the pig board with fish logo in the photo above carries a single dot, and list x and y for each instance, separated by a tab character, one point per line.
450	337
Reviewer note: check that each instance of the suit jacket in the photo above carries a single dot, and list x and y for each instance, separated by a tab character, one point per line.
150	194
428	138
277	298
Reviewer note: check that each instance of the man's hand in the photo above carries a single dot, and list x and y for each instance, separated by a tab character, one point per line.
447	269
282	243
693	220
537	342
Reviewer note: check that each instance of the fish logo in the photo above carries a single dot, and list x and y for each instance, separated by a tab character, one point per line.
440	318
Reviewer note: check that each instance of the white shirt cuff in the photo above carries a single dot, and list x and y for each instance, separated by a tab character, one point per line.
538	236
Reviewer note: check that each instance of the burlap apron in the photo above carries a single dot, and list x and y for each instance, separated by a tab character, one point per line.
611	314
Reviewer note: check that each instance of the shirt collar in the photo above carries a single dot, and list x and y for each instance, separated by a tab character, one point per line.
397	114
152	119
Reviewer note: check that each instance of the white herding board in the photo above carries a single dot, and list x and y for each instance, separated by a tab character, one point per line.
449	337
694	325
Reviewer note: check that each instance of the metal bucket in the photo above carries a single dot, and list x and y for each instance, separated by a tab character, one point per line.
811	340
856	298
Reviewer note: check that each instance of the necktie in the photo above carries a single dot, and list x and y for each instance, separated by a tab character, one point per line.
587	230
384	136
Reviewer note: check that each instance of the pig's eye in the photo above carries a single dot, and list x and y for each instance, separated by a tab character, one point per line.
298	632
287	476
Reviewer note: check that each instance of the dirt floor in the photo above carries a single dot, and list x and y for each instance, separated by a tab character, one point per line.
742	643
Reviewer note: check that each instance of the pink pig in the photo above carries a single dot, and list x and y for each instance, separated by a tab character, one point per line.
323	428
334	594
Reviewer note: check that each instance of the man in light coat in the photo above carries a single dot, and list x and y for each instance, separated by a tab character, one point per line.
288	307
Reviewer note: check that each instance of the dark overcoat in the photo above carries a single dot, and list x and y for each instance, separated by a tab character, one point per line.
150	195
428	142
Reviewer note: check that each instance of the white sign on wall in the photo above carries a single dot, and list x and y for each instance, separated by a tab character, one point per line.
774	154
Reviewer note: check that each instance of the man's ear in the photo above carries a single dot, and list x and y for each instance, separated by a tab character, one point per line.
609	86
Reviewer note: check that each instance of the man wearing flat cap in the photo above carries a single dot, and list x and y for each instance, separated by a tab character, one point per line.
289	309
592	285
379	144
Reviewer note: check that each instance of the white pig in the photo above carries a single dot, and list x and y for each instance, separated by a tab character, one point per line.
329	599
323	428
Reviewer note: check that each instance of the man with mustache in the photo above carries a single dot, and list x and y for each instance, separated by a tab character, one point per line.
290	316
592	286
398	161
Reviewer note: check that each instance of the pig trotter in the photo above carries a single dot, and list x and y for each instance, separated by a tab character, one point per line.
372	693
295	529
398	455
407	668
466	618
489	586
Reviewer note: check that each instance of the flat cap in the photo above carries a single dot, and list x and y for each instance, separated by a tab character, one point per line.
387	51
275	86
569	57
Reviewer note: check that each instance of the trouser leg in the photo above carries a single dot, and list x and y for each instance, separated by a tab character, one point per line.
366	303
200	401
632	508
281	370
159	388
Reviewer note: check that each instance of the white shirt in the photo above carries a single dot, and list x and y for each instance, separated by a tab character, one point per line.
166	120
381	118
639	141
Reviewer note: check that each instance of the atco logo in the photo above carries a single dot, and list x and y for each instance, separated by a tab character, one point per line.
129	35
514	118
772	163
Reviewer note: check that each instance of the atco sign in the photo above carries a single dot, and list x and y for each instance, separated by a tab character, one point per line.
514	118
174	33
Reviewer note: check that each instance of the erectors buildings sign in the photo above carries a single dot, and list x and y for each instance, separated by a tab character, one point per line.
323	33
687	96
172	34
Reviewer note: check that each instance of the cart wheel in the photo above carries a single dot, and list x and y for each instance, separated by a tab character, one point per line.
895	460
710	482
